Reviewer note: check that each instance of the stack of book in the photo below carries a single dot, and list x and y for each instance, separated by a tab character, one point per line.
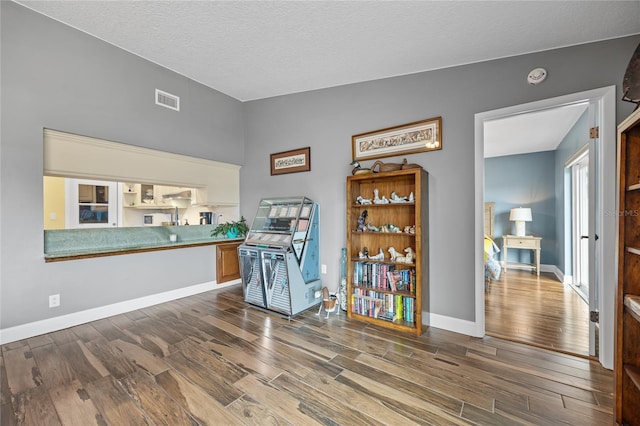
386	306
383	276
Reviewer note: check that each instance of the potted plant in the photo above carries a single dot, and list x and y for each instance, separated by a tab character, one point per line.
231	229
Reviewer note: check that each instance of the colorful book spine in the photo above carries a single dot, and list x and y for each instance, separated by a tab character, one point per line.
372	274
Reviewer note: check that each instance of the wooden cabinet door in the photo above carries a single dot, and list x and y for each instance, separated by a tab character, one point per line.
227	267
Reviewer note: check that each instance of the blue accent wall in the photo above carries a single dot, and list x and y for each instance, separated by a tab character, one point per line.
524	180
575	140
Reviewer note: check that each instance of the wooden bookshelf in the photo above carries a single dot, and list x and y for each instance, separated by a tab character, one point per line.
627	355
382	291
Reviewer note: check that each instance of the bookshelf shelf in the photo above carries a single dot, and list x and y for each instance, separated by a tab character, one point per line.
383	291
634	187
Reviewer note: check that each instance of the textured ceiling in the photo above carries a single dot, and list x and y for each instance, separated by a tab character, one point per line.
258	49
252	50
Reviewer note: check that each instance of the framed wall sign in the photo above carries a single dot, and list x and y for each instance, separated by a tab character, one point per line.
411	138
296	160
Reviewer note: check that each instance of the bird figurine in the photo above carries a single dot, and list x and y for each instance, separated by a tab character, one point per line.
358	169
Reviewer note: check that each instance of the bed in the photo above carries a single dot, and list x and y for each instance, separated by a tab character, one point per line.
492	268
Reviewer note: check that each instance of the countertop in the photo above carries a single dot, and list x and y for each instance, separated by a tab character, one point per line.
69	244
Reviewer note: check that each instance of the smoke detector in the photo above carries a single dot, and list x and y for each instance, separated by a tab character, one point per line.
536	76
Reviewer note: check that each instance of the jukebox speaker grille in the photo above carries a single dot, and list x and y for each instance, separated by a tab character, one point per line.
279	292
250	266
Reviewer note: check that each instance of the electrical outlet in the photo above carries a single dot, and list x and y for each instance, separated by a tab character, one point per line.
54	300
324	269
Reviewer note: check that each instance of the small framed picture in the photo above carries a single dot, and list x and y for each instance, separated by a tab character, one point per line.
294	161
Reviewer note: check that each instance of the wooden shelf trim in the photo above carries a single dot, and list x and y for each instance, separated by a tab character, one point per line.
356	205
381	290
633	187
407	326
633	250
395	234
632	303
633	373
386	262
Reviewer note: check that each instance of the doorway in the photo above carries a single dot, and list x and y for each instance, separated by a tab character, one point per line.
536	307
601	239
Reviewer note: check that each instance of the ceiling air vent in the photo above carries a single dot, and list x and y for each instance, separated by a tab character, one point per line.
167	100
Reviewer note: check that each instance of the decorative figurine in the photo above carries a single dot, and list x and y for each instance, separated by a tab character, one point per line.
393	228
411	197
357	169
410	255
386	167
410	229
330	303
379	256
390	228
394	254
362	221
398	258
372	228
376	198
361	200
395	198
406	165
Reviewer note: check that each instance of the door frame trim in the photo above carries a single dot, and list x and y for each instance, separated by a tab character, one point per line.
604	98
583	154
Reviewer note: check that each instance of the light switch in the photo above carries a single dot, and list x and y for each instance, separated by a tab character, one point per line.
53	216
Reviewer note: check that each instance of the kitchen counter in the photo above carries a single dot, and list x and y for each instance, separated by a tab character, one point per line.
70	244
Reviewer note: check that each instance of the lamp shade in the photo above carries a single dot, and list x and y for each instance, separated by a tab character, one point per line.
520	214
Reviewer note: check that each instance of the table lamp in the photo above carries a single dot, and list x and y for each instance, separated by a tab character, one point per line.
520	215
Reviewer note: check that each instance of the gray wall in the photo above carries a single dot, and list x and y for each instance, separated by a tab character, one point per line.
56	77
326	119
525	180
59	78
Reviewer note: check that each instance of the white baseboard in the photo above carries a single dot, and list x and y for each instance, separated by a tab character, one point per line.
49	325
564	279
469	328
543	268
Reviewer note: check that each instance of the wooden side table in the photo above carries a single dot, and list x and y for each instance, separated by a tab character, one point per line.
528	242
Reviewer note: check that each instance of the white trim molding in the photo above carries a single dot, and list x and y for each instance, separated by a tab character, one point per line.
456	325
605	100
49	325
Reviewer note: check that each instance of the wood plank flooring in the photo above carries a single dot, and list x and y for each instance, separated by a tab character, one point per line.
537	310
211	359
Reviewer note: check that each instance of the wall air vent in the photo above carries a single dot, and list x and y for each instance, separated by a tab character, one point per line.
167	100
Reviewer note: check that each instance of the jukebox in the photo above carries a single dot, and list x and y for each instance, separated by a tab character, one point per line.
279	259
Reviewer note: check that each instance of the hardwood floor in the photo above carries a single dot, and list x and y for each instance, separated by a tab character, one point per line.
537	310
212	359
